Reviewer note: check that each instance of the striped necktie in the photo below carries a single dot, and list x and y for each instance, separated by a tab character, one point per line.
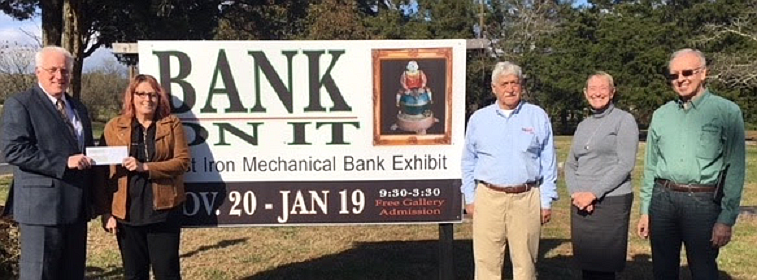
61	106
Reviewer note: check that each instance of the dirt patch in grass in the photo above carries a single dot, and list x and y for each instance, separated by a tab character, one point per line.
9	250
9	247
751	135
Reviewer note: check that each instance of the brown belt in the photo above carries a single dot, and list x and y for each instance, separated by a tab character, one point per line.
518	188
684	187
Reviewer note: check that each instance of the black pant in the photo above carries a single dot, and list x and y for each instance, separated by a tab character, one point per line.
598	275
53	252
676	217
156	244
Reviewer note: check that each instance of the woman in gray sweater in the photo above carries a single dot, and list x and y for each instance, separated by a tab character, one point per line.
598	174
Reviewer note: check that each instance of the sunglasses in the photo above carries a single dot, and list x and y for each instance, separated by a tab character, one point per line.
684	73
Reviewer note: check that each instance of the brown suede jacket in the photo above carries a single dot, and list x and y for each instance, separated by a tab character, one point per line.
165	171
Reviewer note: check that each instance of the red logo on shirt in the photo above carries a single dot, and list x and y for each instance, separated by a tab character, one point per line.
529	130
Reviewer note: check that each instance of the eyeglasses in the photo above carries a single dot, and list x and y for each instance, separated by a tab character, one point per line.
509	83
53	70
603	89
151	95
684	73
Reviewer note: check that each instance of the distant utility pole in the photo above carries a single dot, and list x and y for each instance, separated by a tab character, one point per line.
481	19
128	53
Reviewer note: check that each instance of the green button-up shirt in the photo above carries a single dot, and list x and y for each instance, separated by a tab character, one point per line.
693	145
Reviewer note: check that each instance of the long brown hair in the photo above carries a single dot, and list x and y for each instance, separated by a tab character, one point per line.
164	107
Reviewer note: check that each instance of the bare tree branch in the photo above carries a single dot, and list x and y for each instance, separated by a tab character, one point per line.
734	68
33	36
16	66
523	23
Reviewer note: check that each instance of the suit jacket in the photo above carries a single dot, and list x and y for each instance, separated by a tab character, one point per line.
36	141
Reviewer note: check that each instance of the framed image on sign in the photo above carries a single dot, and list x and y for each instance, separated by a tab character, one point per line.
412	96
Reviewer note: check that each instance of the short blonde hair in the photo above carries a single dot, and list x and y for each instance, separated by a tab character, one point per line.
601	74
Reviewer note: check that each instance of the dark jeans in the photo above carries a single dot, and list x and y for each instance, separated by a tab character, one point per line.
676	217
154	243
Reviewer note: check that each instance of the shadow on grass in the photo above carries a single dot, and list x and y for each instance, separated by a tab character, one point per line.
219	245
392	260
102	273
117	272
420	260
639	268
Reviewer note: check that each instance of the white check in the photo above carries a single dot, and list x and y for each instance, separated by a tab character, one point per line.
108	155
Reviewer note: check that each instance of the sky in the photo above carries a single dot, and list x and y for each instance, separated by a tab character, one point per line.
10	29
14	32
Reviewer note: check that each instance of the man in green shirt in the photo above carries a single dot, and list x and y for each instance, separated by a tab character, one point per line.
693	173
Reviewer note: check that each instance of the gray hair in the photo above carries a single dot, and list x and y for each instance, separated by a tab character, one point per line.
699	54
506	68
602	74
38	57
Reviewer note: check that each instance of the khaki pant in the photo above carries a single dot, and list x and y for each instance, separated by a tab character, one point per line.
499	219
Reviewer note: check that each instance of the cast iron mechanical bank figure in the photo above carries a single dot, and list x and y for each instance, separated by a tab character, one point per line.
414	101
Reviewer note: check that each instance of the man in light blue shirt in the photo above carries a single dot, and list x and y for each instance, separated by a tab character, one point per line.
509	174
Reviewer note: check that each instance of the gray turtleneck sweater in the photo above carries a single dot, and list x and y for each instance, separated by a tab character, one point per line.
603	154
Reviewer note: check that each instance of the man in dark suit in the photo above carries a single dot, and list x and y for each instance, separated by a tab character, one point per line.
44	133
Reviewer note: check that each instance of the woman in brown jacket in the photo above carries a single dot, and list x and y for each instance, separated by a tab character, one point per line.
144	195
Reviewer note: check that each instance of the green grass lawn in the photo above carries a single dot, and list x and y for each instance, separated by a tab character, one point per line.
97	130
400	251
4	182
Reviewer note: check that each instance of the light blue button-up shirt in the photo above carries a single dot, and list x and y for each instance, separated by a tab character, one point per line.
510	150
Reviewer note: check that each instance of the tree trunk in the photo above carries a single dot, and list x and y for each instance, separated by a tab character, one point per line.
73	40
52	22
564	127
